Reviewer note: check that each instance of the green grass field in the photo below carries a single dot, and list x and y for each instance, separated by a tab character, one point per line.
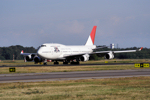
135	88
21	62
42	69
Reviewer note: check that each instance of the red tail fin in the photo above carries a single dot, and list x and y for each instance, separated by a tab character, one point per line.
93	33
91	38
140	48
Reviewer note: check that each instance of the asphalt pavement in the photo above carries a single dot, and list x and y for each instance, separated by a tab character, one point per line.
57	76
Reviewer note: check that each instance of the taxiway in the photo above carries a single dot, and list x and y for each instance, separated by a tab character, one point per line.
57	76
38	65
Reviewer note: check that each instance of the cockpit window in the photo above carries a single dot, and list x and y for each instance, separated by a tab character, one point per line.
43	45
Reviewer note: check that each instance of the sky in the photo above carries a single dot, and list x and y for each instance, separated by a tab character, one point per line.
69	22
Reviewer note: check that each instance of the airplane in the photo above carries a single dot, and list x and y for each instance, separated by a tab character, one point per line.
70	54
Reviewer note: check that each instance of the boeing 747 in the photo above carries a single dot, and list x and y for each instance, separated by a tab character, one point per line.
70	54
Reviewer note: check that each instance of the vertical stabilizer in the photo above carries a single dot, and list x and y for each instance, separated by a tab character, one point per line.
22	52
91	38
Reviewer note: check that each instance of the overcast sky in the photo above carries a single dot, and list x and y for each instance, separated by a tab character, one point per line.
34	22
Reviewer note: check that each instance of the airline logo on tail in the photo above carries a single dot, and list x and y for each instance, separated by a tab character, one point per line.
91	38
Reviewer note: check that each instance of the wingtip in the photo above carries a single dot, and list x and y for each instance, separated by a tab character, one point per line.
21	51
140	48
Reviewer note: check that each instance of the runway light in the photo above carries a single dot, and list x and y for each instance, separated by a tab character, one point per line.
141	65
146	65
137	65
12	69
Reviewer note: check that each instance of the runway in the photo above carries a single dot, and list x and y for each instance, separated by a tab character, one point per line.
57	76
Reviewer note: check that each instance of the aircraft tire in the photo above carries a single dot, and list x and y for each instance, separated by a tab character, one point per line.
65	62
45	64
56	63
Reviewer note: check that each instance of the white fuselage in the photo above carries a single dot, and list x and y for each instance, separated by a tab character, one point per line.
59	51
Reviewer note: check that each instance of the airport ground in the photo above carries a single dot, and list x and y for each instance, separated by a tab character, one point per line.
22	63
30	67
133	88
130	88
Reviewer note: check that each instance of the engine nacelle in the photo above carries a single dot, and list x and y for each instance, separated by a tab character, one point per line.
37	59
110	55
85	57
29	57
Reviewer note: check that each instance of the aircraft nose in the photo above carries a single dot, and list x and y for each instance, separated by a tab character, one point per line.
39	52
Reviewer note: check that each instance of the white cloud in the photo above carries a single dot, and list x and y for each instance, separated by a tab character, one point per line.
115	20
130	18
74	27
96	22
41	31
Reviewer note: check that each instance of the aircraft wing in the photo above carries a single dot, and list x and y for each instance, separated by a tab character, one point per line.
123	51
69	56
26	54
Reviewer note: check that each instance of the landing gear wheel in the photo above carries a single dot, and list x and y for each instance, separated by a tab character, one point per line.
65	62
45	64
56	63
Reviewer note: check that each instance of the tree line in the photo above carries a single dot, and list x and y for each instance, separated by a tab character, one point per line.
6	53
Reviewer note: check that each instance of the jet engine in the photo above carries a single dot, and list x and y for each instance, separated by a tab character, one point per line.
109	55
85	57
37	59
29	57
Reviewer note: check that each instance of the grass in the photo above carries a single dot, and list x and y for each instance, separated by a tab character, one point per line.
42	69
135	88
14	63
21	62
131	88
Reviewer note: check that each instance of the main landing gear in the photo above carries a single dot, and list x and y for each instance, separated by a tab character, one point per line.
45	62
56	63
66	63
